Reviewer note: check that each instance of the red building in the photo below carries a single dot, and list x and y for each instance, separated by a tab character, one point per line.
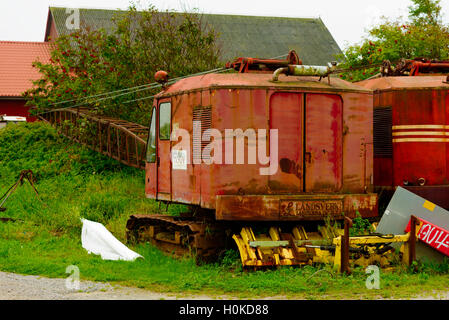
17	74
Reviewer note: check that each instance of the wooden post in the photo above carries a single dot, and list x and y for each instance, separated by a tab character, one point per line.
99	137
109	141
412	240
77	125
127	150
118	143
137	153
345	247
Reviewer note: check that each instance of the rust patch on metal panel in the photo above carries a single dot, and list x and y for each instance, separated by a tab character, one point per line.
192	181
366	205
294	207
311	207
291	167
247	208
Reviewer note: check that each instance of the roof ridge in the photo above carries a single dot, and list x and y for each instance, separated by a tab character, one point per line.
103	9
201	13
24	42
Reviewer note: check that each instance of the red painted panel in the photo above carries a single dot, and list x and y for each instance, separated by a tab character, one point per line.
15	108
287	116
236	109
357	137
432	235
419	149
323	158
150	180
415	160
383	169
446	104
53	32
164	164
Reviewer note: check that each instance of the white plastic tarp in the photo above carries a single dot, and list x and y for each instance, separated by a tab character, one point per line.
96	239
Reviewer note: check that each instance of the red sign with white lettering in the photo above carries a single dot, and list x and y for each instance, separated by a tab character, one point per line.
434	236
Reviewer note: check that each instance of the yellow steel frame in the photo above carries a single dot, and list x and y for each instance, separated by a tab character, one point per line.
366	240
287	253
272	255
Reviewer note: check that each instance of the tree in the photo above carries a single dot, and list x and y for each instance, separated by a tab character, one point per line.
423	35
88	62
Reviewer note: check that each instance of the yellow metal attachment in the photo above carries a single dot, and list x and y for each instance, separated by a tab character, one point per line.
276	248
372	256
300	247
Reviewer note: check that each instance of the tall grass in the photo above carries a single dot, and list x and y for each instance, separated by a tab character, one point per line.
72	181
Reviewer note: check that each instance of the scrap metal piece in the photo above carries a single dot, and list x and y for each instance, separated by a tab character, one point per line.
342	259
24	174
244	65
432	235
402	206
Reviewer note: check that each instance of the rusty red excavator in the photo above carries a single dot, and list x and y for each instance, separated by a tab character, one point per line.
263	155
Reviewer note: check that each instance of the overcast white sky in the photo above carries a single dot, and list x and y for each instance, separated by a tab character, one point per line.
347	20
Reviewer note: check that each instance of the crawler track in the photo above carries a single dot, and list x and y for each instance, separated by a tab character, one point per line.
201	238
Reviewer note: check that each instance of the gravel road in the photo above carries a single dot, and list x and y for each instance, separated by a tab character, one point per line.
20	287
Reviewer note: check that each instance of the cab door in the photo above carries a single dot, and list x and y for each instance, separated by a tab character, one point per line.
323	143
287	116
164	151
151	158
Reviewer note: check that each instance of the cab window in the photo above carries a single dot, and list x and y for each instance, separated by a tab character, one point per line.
164	120
151	150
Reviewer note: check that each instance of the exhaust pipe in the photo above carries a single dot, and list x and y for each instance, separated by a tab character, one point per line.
304	70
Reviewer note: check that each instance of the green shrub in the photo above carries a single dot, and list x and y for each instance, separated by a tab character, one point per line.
360	226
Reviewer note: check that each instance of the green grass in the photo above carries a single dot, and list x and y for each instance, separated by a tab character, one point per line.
74	182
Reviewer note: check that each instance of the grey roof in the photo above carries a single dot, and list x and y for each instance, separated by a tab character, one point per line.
247	36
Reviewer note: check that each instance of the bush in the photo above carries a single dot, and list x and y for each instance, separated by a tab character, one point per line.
360	226
423	35
87	62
